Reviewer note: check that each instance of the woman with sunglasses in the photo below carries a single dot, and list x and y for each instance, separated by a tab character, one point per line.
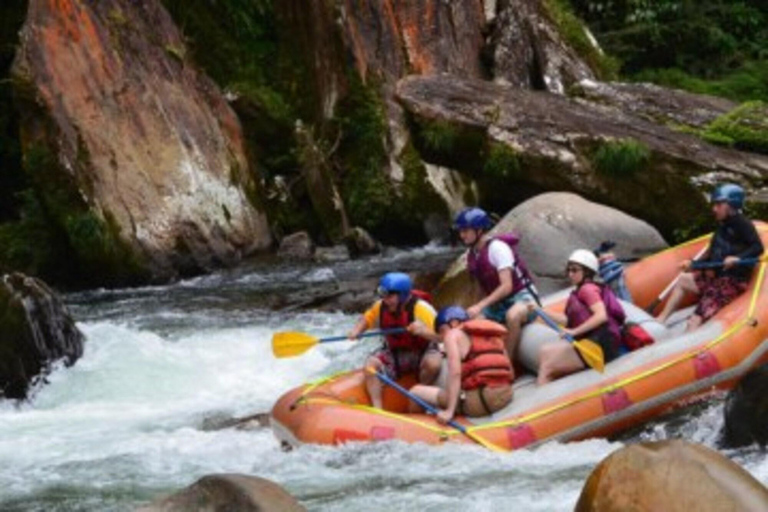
591	312
414	351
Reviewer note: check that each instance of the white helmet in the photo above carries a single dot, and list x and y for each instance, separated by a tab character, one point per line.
586	258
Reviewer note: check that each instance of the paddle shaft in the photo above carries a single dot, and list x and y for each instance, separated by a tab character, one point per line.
368	334
548	320
426	405
702	265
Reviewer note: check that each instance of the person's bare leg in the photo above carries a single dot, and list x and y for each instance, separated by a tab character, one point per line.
515	318
430	367
687	283
558	359
431	394
693	323
372	382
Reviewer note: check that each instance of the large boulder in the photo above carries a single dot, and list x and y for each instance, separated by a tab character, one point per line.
134	152
214	493
673	476
516	142
296	246
746	411
35	331
551	226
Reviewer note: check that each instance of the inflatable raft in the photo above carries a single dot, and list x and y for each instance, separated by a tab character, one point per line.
677	369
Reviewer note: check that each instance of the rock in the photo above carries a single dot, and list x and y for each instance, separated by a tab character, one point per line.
517	142
386	41
297	246
360	242
673	476
551	226
746	411
35	331
655	103
223	492
529	51
118	126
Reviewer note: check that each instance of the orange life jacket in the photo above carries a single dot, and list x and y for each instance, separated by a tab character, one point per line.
402	317
486	363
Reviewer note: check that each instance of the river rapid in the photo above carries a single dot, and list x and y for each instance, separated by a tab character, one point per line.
128	423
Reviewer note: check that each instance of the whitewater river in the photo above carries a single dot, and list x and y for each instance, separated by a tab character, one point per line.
125	424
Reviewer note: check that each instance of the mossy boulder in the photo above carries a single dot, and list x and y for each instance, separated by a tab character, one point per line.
36	330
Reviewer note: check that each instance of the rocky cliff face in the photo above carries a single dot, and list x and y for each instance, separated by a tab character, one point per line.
120	129
377	43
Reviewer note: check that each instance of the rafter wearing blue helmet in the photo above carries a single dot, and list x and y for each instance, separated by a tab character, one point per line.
411	352
735	239
480	374
493	261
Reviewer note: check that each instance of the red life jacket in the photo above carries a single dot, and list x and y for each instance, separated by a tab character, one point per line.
402	317
486	363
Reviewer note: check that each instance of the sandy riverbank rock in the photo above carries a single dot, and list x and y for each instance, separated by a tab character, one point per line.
216	493
673	476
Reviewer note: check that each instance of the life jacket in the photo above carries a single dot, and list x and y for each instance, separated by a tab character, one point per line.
486	363
726	242
578	312
480	267
402	317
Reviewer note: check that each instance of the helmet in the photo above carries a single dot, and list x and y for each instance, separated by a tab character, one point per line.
450	313
585	258
729	193
472	218
395	282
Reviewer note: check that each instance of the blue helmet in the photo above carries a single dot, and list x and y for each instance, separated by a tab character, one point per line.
729	193
395	282
450	313
472	218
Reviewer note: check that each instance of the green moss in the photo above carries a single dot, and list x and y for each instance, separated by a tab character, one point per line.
745	128
176	52
621	158
572	29
502	162
439	136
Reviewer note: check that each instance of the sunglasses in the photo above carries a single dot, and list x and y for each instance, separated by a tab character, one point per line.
572	270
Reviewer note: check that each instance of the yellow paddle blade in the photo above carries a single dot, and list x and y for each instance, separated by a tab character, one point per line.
289	344
592	353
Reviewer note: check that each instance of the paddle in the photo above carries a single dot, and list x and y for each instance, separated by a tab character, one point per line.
590	351
663	295
291	343
702	265
432	410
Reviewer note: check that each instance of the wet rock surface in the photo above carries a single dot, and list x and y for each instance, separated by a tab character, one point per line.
36	331
228	492
124	129
746	411
674	476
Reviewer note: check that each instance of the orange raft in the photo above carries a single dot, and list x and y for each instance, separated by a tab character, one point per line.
677	369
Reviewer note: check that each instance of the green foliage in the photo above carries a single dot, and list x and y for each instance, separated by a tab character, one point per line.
621	158
572	30
745	127
707	46
439	136
502	162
